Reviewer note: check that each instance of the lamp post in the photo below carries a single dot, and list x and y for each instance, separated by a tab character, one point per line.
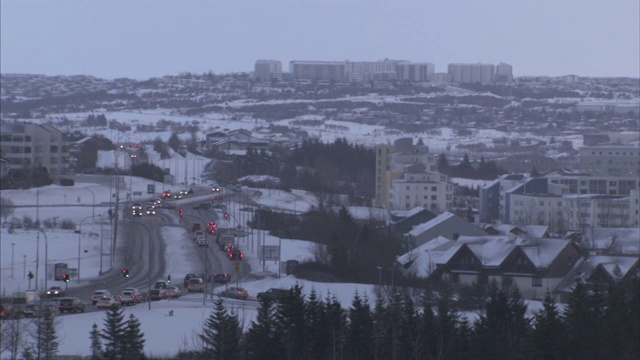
79	238
46	252
24	266
149	259
379	274
93	198
13	245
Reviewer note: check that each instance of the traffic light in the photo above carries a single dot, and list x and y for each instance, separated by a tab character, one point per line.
181	211
125	273
169	279
30	275
65	278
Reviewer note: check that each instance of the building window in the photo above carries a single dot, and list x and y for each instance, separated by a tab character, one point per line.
536	281
434	197
433	188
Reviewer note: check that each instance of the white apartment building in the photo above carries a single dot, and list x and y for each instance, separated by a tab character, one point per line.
415	72
611	160
504	73
267	70
400	185
363	71
420	188
27	145
472	73
634	208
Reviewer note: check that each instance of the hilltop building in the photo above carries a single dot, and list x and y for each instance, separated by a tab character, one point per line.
472	73
267	70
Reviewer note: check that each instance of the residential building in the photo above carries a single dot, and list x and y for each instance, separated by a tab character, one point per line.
235	142
28	145
447	224
492	207
415	72
267	70
504	73
472	73
611	160
318	70
364	71
634	208
535	266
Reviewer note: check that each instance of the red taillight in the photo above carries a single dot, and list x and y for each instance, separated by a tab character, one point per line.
133	297
120	296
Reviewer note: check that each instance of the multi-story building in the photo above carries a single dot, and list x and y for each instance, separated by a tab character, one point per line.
472	73
611	160
504	73
26	146
318	70
492	197
634	208
415	72
363	71
267	70
407	176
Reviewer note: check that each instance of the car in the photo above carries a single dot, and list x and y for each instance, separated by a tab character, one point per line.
235	254
156	294
70	304
184	192
169	205
221	278
99	294
166	194
108	302
136	206
228	247
130	296
215	188
235	292
172	292
197	234
195	284
195	227
185	282
55	291
177	196
273	294
151	203
160	284
202	241
136	213
151	210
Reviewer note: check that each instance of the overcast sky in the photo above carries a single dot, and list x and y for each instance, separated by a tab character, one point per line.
147	38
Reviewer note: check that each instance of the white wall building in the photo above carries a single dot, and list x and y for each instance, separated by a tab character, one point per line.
267	70
472	73
611	160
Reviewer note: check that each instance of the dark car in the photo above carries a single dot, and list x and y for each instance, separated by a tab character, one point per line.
185	283
221	278
71	304
273	295
235	254
156	294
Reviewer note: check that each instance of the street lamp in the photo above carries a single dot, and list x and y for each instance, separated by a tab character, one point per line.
94	201
149	260
46	253
79	238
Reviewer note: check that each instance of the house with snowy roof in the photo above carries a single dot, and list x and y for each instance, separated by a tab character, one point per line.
447	224
535	266
599	272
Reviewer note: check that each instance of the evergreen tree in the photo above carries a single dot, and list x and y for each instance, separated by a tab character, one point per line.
290	323
412	345
359	330
46	335
581	336
444	329
113	333
491	336
174	142
380	332
534	172
443	164
427	327
221	334
96	343
336	326
519	324
133	344
262	341
317	327
549	331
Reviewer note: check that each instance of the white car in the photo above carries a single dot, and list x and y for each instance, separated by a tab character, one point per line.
99	294
108	302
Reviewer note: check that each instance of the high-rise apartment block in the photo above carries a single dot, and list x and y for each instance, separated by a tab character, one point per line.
415	72
407	177
472	73
504	73
27	146
362	71
318	70
611	160
266	70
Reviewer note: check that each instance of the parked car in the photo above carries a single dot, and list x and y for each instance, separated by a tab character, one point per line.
71	304
195	284
99	294
235	292
172	292
108	302
130	296
55	291
273	294
156	294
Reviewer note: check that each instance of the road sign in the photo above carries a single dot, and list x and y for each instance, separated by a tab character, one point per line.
270	252
151	188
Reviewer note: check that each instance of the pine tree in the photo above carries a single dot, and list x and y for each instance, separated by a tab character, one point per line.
336	327
427	328
46	335
412	344
491	337
290	323
96	343
579	318
549	331
316	319
444	329
133	344
519	325
221	334
113	333
262	341
359	330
